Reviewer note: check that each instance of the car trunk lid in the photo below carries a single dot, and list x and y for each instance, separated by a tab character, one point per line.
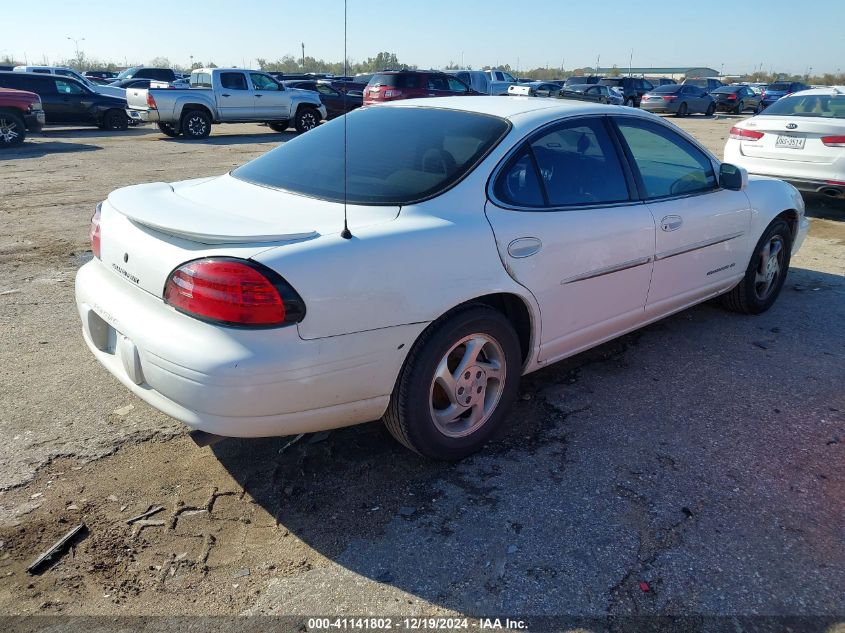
149	230
792	138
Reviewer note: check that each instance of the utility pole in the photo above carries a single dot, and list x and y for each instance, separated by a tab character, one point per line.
630	63
192	62
598	59
462	59
303	56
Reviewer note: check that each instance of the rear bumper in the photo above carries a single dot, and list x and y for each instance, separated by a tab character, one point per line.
658	107
145	116
34	121
233	382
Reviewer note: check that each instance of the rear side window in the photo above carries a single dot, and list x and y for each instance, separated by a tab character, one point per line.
574	164
395	156
200	80
397	80
14	80
233	81
668	164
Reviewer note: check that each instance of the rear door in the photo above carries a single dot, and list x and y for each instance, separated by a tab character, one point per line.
568	228
236	101
437	86
702	230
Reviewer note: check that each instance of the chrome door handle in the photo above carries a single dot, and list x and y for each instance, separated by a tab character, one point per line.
671	223
226	95
258	96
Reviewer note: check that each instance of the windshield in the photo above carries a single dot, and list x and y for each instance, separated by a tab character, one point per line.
126	74
395	155
824	106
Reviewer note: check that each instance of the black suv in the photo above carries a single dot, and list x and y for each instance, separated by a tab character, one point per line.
707	84
67	102
142	72
632	88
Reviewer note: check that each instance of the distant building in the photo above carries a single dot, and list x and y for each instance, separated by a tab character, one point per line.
678	74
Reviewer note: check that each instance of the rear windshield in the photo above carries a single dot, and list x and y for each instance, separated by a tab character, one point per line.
779	86
666	89
610	82
825	106
397	80
727	89
701	83
396	155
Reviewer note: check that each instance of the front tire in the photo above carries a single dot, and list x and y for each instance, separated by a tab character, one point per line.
766	272
12	129
710	109
169	129
306	119
457	385
115	120
630	102
196	125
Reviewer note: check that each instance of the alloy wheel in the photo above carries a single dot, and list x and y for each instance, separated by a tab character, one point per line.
769	268
467	385
8	130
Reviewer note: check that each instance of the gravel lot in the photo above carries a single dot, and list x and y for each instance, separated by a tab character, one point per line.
695	466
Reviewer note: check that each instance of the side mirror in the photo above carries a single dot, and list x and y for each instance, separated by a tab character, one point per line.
733	177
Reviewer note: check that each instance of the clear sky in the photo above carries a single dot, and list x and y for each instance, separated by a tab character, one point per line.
783	35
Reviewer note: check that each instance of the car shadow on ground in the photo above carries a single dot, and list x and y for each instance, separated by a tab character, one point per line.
61	132
37	150
235	139
818	206
615	486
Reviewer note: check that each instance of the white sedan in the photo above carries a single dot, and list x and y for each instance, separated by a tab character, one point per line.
800	138
488	237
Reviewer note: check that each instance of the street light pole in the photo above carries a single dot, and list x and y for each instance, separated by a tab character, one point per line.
76	41
303	56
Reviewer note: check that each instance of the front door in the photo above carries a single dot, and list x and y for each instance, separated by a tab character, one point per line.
569	228
236	99
272	102
72	104
702	230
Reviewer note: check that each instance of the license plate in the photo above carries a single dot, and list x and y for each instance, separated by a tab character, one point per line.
790	142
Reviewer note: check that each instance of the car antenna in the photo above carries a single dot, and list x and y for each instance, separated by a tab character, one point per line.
345	233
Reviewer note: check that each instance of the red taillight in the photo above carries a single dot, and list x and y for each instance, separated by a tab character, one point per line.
834	141
94	232
732	96
670	97
740	134
233	292
763	95
151	102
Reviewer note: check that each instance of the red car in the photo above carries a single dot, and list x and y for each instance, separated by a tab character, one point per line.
392	85
19	111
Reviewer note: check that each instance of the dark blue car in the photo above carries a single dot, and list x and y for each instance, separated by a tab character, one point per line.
780	89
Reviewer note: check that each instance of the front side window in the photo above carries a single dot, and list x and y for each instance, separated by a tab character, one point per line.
394	156
323	89
263	82
456	86
233	81
64	87
668	164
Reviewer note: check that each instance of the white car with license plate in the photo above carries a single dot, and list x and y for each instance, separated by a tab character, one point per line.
799	138
488	238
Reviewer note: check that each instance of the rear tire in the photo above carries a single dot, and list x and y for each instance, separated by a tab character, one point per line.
306	119
710	109
630	102
683	110
766	272
457	385
278	126
12	129
169	129
195	125
115	120
739	107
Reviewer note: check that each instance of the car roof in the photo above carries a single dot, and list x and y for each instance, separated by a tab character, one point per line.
827	91
509	107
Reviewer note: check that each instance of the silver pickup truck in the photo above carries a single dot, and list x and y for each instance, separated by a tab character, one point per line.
225	95
489	82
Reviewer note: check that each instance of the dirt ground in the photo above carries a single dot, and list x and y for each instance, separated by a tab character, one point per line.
696	466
